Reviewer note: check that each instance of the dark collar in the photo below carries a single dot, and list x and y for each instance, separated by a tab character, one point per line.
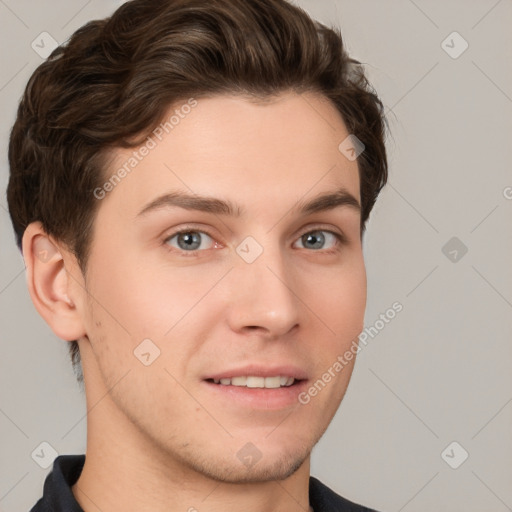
57	494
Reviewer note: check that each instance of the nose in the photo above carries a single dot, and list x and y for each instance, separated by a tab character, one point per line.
262	297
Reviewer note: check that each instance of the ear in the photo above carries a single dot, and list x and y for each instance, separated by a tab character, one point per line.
49	284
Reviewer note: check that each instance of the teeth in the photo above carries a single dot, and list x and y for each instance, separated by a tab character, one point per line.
272	382
255	382
252	381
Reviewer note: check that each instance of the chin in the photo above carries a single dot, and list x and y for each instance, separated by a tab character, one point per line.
265	469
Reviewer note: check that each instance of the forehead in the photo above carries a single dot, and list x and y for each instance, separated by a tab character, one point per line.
252	154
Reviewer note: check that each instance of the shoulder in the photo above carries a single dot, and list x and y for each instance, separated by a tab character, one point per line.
323	499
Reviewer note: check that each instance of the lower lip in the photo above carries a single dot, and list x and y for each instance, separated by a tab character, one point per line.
260	398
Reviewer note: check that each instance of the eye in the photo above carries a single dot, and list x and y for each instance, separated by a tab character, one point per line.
188	240
192	241
317	239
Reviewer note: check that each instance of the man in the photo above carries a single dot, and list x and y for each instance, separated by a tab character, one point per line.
190	182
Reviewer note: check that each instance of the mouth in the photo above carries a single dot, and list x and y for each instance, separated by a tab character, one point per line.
259	386
253	381
266	394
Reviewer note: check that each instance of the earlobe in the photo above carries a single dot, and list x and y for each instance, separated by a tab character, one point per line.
49	283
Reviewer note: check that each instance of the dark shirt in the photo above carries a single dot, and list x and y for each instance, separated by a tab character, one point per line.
58	497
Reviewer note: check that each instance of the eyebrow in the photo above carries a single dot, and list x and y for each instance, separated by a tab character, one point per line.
324	202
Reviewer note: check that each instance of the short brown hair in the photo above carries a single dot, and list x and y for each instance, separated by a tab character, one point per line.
111	84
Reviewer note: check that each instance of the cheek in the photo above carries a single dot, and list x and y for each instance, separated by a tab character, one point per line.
342	300
342	309
130	300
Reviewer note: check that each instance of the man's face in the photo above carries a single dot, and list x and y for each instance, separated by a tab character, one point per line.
271	292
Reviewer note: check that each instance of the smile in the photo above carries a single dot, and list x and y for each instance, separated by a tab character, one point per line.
256	382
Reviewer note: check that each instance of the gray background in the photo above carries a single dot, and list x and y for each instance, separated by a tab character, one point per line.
440	370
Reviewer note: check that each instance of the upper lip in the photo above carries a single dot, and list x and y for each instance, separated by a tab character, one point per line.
258	370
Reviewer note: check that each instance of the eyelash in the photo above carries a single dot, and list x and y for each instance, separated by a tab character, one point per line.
341	240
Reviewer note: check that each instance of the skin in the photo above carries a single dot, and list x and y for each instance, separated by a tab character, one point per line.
158	439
